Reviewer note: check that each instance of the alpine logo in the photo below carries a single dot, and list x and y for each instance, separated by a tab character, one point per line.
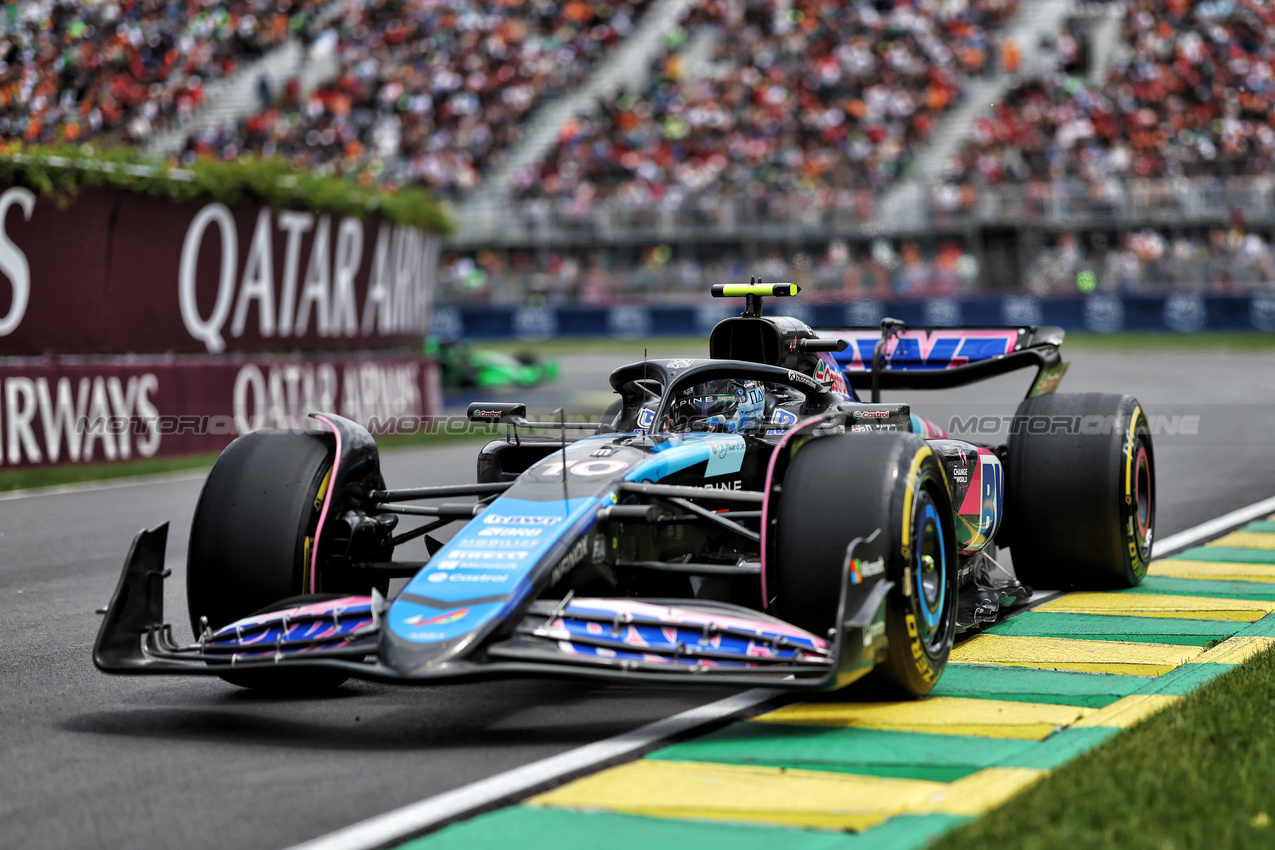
438	620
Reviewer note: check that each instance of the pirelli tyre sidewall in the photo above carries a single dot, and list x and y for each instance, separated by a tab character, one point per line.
1137	495
1080	493
844	486
921	616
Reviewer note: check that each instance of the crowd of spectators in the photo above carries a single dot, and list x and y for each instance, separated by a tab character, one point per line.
1193	96
785	108
1219	260
1222	260
791	96
120	70
836	272
432	91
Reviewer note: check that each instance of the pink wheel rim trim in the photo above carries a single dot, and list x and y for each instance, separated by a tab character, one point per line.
1140	464
327	502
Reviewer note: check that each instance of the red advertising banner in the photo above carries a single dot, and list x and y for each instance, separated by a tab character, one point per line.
90	410
111	272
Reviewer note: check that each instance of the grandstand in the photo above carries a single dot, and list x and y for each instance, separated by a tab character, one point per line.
1175	132
430	93
1192	98
829	95
644	148
120	71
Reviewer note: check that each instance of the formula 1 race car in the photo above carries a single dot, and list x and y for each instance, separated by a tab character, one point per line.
743	519
463	367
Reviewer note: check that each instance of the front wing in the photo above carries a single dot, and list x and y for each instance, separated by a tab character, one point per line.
649	640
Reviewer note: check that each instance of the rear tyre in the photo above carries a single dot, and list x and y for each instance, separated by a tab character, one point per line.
252	538
841	487
1080	491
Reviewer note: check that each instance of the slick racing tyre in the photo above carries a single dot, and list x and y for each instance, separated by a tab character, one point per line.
252	538
1080	491
845	486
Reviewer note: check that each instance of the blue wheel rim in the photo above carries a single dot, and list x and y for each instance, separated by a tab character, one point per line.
931	584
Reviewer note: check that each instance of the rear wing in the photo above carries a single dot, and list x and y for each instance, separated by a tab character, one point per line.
927	358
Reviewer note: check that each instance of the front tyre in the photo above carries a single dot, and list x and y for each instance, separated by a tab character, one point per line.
921	620
845	486
253	536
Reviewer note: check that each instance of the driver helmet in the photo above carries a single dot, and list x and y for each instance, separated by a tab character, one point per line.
727	405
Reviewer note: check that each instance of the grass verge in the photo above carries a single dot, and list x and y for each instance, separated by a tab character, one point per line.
52	476
1199	774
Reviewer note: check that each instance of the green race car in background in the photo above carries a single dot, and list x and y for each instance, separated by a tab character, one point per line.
463	366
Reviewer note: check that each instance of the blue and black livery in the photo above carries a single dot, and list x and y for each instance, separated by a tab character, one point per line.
811	542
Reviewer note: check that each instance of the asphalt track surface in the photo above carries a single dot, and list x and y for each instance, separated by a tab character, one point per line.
88	760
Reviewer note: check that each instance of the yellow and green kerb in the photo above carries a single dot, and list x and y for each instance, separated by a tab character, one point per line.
1015	702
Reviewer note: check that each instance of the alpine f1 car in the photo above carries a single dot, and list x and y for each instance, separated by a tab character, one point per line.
745	519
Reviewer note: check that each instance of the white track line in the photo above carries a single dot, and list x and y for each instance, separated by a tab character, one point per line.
1212	528
416	818
106	484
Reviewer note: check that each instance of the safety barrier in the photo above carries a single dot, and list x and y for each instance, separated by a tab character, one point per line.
133	326
1101	313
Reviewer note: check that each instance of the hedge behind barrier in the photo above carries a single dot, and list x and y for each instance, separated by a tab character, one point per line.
244	181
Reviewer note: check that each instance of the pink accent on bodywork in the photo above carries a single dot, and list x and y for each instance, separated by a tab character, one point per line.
973	503
327	502
312	610
329	606
930	431
765	504
682	616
